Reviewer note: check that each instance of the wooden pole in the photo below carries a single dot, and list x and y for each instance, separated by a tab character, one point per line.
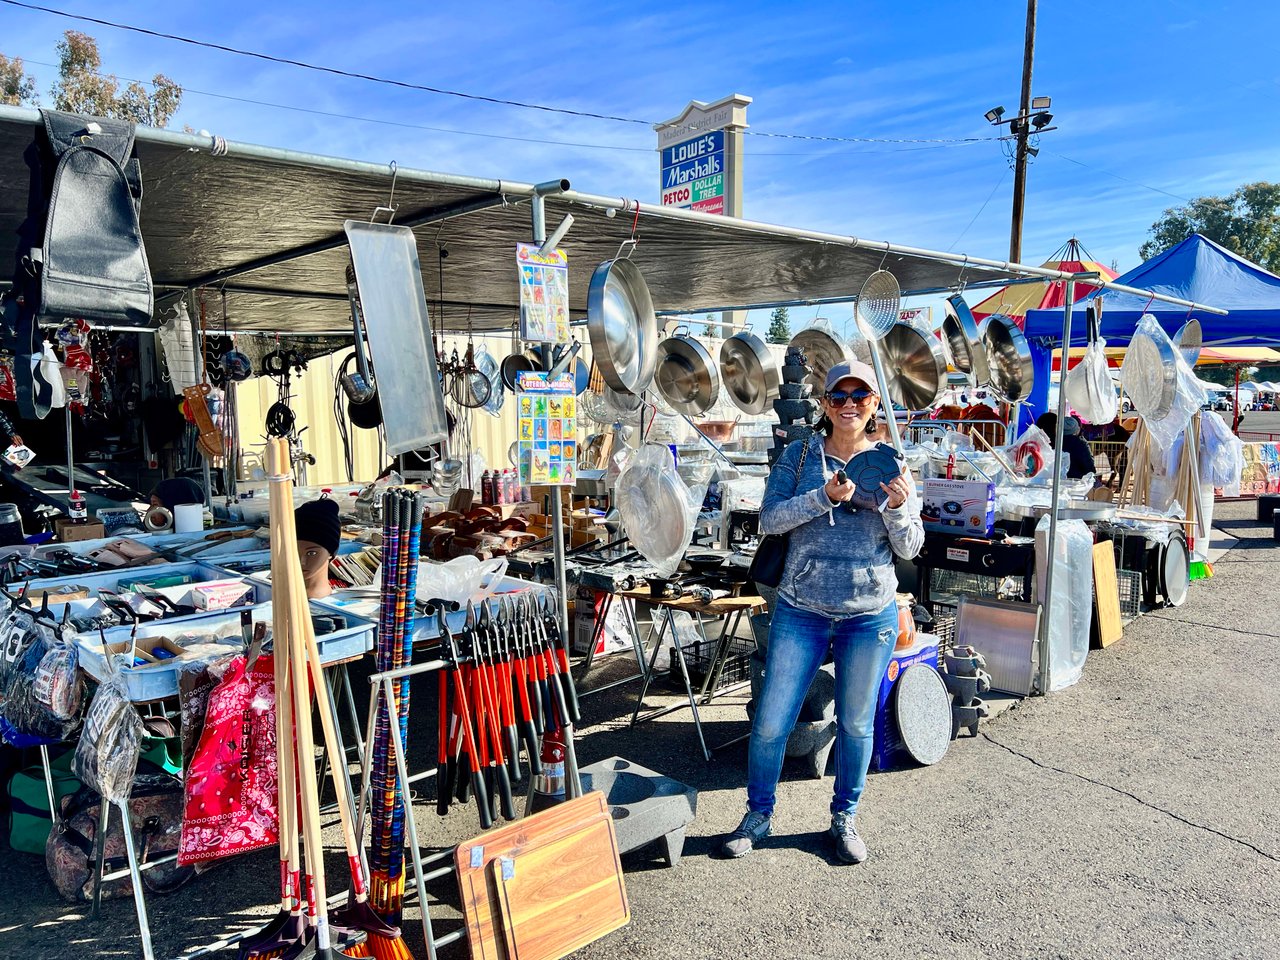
1020	157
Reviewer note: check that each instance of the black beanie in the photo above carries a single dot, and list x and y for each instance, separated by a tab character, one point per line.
317	522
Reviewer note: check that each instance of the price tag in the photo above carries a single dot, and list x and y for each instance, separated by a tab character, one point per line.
958	555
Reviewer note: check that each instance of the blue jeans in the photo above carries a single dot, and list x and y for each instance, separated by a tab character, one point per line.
798	644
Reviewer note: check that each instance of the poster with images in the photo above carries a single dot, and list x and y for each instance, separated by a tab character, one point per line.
544	294
548	424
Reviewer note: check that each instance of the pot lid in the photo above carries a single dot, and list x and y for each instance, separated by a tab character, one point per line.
654	508
871	468
686	376
1150	374
1175	571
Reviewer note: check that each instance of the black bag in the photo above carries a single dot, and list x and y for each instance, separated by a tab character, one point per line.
771	553
80	251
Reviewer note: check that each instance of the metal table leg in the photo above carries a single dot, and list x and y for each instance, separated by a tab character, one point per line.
54	813
648	670
693	700
728	630
139	900
99	856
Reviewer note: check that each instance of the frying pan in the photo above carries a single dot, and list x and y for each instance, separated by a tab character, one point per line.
517	364
1150	373
963	340
622	326
749	372
1009	358
1190	340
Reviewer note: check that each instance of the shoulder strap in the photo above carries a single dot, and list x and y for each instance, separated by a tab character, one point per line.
804	452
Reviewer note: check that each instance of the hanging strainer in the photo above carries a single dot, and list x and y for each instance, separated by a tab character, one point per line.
879	304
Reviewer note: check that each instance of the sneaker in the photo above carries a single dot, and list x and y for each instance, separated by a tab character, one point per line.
755	826
849	846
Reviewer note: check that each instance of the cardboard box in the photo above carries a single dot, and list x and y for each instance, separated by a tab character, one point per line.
69	532
218	594
616	634
959	506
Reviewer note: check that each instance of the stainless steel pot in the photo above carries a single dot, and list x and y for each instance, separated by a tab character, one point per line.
686	376
749	372
964	343
622	326
915	368
1009	357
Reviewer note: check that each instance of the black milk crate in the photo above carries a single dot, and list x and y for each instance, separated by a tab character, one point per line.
737	662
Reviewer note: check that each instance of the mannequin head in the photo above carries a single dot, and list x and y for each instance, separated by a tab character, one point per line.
319	533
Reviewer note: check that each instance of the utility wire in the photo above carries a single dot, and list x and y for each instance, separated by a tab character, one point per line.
999	183
350	74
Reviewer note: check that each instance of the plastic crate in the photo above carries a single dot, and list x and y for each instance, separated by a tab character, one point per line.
737	662
1130	584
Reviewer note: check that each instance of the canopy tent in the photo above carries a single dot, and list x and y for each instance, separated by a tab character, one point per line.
1209	356
1196	269
1015	300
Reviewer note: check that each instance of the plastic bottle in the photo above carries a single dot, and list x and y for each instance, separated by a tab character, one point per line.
79	512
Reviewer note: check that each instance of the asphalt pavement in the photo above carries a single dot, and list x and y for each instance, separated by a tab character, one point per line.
1131	815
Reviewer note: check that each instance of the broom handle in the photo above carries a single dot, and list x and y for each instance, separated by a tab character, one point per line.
334	749
291	896
310	813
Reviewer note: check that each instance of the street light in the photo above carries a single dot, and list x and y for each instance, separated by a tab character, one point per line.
994	114
1041	103
1030	120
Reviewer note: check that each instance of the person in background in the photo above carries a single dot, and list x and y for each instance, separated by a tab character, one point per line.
319	534
1074	448
176	491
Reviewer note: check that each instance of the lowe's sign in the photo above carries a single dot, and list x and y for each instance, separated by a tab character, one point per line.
693	173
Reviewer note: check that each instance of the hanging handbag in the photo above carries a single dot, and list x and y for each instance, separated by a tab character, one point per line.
771	553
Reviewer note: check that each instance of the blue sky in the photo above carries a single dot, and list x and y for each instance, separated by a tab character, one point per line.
1155	101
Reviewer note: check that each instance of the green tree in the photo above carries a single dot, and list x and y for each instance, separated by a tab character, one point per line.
83	88
1245	221
17	87
712	327
779	326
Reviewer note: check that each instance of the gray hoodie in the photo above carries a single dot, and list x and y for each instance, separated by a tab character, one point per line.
840	557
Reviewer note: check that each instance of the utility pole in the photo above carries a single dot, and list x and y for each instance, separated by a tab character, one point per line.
1020	157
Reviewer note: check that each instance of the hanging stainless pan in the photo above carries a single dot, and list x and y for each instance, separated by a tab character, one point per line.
822	350
963	340
1009	357
1190	341
1150	375
622	326
749	372
915	368
686	377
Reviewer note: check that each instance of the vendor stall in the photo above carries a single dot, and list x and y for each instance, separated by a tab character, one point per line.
462	572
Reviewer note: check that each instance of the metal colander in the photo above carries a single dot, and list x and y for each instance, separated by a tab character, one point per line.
879	304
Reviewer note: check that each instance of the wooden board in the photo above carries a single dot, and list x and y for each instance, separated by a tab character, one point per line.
1106	595
565	889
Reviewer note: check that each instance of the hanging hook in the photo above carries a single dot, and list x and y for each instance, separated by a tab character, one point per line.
390	208
1150	301
632	240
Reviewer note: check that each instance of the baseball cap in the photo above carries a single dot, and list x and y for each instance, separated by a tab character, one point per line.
851	368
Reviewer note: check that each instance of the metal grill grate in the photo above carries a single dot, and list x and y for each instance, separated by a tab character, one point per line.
1130	583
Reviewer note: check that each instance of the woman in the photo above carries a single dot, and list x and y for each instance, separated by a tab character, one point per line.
837	593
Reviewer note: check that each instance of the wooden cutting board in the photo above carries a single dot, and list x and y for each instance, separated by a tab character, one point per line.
542	887
1107	622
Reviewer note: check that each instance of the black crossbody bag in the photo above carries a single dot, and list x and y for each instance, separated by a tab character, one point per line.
771	554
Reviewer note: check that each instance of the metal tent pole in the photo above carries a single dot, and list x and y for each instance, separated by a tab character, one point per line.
1046	602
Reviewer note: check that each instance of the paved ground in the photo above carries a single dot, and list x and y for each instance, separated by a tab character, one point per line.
1132	815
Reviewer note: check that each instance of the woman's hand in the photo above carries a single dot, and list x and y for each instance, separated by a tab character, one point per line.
898	490
839	492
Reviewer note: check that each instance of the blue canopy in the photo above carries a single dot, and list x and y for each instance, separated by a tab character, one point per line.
1196	269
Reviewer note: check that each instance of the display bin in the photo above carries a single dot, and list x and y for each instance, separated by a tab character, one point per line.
160	681
110	580
698	658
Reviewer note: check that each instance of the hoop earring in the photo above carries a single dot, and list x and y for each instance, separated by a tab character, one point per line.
872	427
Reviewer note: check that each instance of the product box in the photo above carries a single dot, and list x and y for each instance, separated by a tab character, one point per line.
218	594
887	750
616	634
959	506
69	532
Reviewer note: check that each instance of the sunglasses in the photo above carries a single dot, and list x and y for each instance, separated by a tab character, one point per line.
859	398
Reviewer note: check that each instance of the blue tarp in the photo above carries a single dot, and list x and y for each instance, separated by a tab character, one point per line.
1196	269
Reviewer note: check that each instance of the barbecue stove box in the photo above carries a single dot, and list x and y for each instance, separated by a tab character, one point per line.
959	506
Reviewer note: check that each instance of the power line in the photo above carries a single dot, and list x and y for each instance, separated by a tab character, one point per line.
999	184
403	84
452	130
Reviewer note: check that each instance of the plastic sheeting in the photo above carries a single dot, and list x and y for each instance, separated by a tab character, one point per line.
1072	597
